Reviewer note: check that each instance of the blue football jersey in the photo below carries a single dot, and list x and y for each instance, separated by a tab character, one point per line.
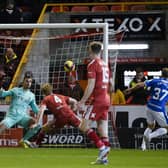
158	94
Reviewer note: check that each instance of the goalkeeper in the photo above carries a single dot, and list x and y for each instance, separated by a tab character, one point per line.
21	99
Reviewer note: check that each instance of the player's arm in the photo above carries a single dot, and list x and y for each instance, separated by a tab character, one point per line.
4	93
34	106
41	112
88	90
137	86
73	103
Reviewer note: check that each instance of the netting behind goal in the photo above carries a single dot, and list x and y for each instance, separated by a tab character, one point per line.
45	55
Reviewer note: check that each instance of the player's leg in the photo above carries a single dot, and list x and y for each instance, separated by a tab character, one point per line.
102	126
162	120
7	123
50	127
148	130
29	124
146	140
46	128
90	115
92	135
103	131
83	125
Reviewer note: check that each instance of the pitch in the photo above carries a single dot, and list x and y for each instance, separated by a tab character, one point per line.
79	158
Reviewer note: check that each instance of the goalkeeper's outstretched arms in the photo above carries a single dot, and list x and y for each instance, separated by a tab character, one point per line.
4	93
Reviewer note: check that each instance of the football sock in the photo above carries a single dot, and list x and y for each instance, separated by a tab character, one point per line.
105	140
158	132
40	137
147	132
31	132
94	137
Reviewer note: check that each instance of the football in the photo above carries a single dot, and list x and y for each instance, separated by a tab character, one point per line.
69	66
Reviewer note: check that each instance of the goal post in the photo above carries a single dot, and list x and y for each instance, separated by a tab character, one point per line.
36	27
49	46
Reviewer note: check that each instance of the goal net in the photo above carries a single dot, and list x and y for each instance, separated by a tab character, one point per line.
44	55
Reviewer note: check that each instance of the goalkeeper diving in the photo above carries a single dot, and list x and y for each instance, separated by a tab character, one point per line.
21	99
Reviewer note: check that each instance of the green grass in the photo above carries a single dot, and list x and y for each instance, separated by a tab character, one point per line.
80	158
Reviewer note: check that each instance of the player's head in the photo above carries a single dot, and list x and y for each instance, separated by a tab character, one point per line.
10	53
139	74
95	48
46	89
27	81
165	72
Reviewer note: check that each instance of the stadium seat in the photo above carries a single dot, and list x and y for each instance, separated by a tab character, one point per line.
58	9
116	8
100	9
138	8
80	9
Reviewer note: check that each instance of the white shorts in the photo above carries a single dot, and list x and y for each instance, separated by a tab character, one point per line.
160	117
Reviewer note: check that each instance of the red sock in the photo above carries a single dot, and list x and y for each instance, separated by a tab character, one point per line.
94	137
40	138
105	140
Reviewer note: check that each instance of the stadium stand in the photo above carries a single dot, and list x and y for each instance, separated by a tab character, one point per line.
100	9
138	8
80	9
116	8
59	9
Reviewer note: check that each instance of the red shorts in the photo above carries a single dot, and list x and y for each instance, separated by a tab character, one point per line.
96	112
68	118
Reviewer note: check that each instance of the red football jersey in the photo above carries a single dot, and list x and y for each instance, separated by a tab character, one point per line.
57	104
99	70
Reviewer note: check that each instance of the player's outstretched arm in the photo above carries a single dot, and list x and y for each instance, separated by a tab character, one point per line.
4	93
73	103
41	113
137	86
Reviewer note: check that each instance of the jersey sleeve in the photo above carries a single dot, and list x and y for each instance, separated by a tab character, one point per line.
148	83
6	93
66	99
34	106
91	73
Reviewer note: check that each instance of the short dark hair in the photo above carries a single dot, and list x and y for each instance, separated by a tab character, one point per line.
139	69
28	74
96	47
165	72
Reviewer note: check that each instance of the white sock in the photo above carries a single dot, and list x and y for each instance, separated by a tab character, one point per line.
147	132
158	132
